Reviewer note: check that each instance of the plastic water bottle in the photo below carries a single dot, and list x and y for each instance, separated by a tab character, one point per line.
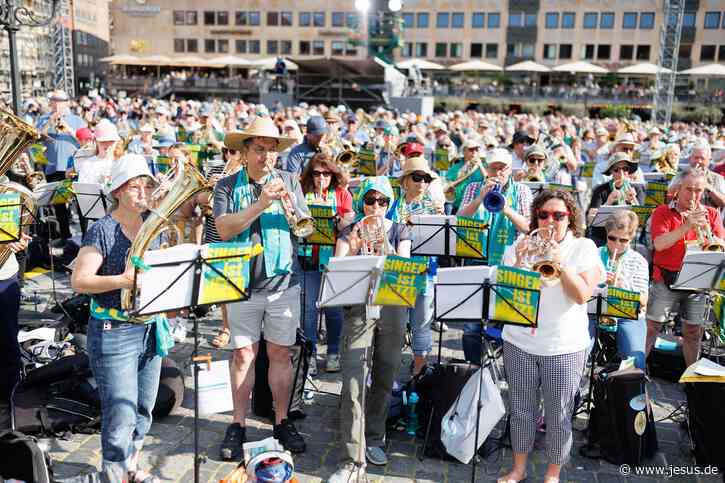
433	268
412	426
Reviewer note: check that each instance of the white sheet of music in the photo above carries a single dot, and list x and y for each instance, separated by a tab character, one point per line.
347	280
215	388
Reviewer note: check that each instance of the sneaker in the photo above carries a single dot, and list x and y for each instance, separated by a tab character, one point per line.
312	368
376	456
439	326
350	473
333	363
286	433
231	449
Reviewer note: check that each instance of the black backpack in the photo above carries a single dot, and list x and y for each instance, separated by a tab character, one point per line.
22	459
704	403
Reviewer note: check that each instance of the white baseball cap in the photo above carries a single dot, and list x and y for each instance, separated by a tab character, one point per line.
126	168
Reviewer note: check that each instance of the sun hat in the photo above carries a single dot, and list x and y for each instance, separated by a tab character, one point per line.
620	157
58	95
625	138
499	155
521	137
126	168
417	163
470	143
166	140
261	127
147	128
535	150
106	131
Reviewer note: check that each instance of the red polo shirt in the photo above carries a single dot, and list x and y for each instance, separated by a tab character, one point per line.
665	219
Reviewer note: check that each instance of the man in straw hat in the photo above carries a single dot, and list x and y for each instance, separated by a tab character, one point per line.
247	208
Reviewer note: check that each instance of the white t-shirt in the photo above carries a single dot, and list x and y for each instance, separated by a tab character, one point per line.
93	169
563	325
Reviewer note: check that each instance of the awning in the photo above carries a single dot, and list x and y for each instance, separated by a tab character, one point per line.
707	70
476	65
422	64
644	68
527	66
121	59
270	62
231	61
191	61
580	67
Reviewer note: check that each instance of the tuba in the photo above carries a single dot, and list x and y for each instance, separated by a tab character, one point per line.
371	230
188	183
15	136
539	257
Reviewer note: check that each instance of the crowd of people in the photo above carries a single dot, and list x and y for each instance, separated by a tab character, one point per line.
554	173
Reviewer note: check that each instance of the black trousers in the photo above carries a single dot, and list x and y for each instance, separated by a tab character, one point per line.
61	211
9	347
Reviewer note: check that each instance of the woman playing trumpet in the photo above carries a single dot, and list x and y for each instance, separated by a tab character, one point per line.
550	358
626	269
363	435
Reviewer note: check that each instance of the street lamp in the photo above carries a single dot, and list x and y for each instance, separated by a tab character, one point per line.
12	17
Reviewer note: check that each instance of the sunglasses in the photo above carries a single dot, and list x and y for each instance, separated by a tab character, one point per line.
317	174
419	178
230	151
557	215
535	161
380	201
623	169
475	148
615	239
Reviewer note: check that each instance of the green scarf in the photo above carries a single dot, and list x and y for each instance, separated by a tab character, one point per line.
501	229
324	252
276	237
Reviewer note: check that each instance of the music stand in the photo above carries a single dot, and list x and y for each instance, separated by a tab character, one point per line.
441	234
19	207
468	299
191	270
91	203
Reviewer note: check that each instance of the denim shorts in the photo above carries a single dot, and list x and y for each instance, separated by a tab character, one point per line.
662	302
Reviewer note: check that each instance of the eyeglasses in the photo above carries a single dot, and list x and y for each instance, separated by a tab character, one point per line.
380	201
262	150
612	238
419	178
317	174
557	215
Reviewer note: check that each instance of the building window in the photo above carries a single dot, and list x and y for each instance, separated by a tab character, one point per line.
423	20
721	53
457	20
318	47
286	47
643	52
685	51
209	18
443	20
590	20
179	45
191	17
565	51
588	51
491	51
209	46
626	52
477	50
222	18
629	20
688	19
606	20
568	19
421	50
441	49
647	20
318	19
179	17
350	50
222	46
338	47
272	47
456	50
604	52
192	45
530	20
407	50
305	47
707	52
550	51
494	20
305	19
272	19
285	19
478	20
254	47
255	19
408	20
241	18
338	20
351	21
240	46
516	19
552	20
712	20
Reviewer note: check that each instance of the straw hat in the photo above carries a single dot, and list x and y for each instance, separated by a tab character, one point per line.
261	127
417	163
625	138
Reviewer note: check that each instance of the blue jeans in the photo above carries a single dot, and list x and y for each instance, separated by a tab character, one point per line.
126	368
333	315
9	348
631	337
420	318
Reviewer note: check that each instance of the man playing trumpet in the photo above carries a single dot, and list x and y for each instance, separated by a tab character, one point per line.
673	226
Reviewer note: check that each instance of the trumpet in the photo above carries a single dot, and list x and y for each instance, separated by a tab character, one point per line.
371	230
300	224
705	238
449	189
540	257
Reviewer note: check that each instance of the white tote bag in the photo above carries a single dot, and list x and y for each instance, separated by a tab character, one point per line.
458	428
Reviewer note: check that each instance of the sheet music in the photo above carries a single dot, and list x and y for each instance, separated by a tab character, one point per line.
158	279
215	389
706	367
347	280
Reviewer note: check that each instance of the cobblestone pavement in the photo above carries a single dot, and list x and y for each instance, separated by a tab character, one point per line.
169	447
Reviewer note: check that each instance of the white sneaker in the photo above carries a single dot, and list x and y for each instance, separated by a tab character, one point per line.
312	368
350	473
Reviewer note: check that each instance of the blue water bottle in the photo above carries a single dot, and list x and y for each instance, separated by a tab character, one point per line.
412	426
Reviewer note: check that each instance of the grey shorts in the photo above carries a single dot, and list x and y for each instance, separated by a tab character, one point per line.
277	314
662	302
